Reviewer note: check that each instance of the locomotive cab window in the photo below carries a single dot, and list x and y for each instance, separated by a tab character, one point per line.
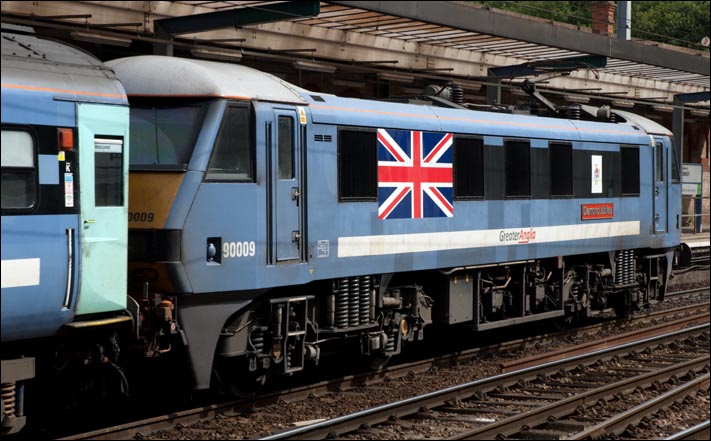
233	157
630	170
162	137
19	170
468	168
518	169
561	169
357	165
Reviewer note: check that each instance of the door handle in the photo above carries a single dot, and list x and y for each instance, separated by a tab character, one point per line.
296	195
89	221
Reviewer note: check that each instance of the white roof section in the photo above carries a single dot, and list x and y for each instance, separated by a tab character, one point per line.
37	64
153	75
646	124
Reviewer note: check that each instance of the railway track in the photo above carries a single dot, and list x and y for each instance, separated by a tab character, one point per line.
684	315
699	431
542	400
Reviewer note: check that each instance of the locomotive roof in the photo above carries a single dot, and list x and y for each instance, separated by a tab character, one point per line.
646	124
36	64
153	75
330	109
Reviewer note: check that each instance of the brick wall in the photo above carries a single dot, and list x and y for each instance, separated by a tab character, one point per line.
603	17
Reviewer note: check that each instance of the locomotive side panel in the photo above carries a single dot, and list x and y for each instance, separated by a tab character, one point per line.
418	243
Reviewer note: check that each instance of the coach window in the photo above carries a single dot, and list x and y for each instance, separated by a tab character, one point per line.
163	137
357	165
468	168
630	170
518	169
19	170
232	158
561	169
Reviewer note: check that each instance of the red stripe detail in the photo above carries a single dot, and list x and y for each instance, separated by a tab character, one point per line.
442	199
390	148
417	182
394	203
388	173
67	91
438	147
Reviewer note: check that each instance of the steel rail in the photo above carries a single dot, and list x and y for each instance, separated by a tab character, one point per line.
537	416
411	405
633	416
699	431
600	344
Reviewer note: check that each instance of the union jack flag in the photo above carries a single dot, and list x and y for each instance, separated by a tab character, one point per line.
414	174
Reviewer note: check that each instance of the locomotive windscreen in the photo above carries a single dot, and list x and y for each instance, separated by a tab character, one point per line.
163	137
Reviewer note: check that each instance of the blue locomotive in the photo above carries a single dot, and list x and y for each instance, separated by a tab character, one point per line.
269	223
64	209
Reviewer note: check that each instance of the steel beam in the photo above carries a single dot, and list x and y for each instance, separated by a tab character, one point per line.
485	21
240	17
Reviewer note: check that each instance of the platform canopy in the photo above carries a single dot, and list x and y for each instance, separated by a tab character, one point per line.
397	41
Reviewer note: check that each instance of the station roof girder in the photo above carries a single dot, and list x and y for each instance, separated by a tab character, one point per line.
419	37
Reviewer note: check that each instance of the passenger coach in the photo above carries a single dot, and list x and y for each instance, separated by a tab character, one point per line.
64	204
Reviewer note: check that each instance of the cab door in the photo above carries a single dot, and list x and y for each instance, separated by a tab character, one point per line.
287	185
660	180
103	225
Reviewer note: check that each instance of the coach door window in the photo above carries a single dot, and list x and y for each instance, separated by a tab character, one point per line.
232	158
286	147
108	178
675	165
19	171
659	150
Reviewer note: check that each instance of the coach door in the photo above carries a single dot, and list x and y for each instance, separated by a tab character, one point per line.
660	186
287	186
103	167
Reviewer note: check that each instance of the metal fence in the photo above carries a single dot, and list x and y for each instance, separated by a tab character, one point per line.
698	221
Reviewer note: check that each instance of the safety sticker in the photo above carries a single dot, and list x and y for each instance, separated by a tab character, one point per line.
323	248
302	115
68	189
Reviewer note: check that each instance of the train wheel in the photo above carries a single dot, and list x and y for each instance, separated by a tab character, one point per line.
377	362
624	308
234	378
563	323
624	311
